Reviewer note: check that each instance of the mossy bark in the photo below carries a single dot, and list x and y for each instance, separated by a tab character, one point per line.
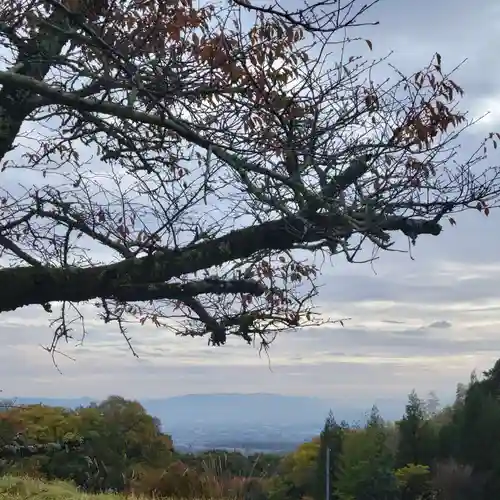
22	286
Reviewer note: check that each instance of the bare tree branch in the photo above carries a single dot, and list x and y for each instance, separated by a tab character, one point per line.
185	169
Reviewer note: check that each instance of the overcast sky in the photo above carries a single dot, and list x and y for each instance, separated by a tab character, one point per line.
423	323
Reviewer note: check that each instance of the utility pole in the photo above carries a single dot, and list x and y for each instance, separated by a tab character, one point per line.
327	474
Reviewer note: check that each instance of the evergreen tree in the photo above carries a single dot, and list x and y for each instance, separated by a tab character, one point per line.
367	466
418	441
330	450
479	430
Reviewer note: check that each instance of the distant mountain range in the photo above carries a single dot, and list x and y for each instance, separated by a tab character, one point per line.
248	422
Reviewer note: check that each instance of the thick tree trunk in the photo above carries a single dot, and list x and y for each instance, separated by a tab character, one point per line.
34	60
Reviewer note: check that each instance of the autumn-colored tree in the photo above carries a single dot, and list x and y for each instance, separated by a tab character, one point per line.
98	447
297	473
177	480
37	439
180	155
414	481
40	423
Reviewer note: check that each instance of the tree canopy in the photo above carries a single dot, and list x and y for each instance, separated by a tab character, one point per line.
183	164
444	453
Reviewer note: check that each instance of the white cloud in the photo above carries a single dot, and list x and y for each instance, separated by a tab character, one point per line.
393	342
387	348
489	107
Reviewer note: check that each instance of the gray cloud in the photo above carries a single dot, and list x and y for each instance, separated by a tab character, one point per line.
440	324
423	323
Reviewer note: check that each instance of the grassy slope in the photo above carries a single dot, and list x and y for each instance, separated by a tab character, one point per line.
22	488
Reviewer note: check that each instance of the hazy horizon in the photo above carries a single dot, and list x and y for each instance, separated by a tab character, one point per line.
299	405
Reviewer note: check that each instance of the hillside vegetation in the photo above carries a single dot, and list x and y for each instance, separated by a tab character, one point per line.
431	453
